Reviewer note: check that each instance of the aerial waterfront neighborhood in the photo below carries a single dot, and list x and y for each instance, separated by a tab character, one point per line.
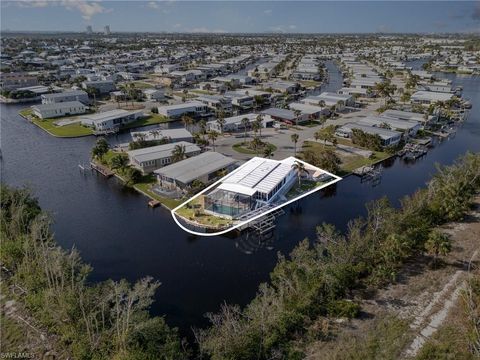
342	109
239	180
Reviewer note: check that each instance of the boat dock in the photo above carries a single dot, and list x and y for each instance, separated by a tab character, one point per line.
101	169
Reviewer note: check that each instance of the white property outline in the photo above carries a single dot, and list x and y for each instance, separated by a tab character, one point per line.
335	180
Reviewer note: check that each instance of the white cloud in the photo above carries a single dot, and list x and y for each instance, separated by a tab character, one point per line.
268	11
88	9
32	3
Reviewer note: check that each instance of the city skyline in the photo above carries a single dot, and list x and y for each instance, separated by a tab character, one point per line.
241	16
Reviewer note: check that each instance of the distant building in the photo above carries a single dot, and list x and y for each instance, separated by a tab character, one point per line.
15	80
388	137
170	135
73	95
154	94
110	120
429	97
54	110
154	157
103	86
89	29
106	30
191	108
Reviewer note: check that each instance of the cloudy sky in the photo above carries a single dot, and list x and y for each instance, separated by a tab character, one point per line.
243	16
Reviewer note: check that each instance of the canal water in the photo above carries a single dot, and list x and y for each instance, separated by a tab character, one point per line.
121	237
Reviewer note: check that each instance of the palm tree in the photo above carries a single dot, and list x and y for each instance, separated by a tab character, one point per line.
259	120
268	152
178	153
294	138
255	126
187	121
245	124
213	135
203	127
221	123
299	168
297	115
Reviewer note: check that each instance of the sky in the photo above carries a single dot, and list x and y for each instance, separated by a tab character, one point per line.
243	16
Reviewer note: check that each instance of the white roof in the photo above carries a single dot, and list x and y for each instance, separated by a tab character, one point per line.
259	174
237	188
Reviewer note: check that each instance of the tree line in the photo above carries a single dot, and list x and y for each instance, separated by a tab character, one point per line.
105	320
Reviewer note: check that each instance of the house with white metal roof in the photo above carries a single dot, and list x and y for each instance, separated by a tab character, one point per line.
255	184
110	120
429	97
169	135
190	108
54	110
388	137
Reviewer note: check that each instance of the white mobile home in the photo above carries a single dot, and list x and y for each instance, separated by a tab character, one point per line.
54	110
151	158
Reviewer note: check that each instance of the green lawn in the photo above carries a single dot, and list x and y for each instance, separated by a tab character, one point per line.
200	217
146	188
143	186
351	162
152	119
143	85
240	147
73	130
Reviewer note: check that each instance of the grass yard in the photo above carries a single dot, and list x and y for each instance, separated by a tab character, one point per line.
349	162
152	119
305	186
194	213
67	131
144	186
241	148
143	85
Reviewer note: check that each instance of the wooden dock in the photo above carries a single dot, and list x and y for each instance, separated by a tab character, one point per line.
154	203
101	169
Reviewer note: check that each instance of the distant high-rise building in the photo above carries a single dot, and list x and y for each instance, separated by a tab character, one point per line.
89	29
106	30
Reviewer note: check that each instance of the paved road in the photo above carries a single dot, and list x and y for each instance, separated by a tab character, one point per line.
282	138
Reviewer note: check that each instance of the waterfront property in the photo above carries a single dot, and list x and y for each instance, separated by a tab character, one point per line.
205	168
407	115
54	110
407	127
111	120
388	137
429	97
151	158
255	184
195	109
